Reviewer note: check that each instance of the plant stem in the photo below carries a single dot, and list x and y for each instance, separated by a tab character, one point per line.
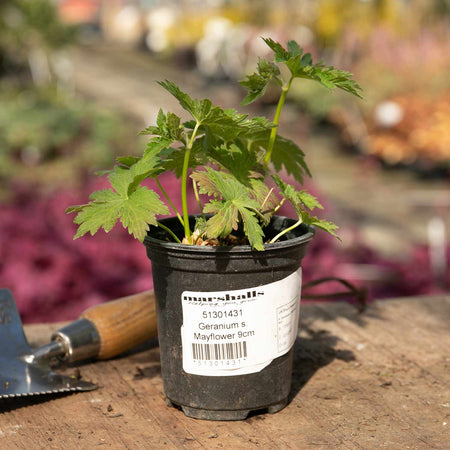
169	201
296	224
279	205
265	200
184	176
169	231
194	184
276	120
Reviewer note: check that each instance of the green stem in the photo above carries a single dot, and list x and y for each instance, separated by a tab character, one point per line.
258	213
276	120
169	231
184	176
279	205
169	201
296	224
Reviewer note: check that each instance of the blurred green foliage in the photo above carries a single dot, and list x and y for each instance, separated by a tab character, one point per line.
34	23
51	140
31	29
48	137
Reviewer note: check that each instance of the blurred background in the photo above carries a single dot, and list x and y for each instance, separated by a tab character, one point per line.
77	83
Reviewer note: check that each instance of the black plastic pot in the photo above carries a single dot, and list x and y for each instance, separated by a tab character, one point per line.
178	268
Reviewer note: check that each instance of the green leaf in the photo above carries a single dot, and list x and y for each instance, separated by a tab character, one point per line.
299	199
252	229
329	227
120	180
309	200
303	67
168	127
294	49
199	109
288	154
135	212
128	161
237	159
285	154
174	158
281	55
224	220
330	77
228	124
256	83
232	201
265	198
133	205
126	179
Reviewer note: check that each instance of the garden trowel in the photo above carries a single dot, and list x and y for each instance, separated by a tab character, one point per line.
102	332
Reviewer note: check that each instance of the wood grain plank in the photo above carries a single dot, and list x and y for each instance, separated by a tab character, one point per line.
377	380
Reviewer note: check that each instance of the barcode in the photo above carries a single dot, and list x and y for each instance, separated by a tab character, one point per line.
219	352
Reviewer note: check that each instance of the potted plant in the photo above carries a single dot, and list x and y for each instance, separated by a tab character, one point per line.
227	281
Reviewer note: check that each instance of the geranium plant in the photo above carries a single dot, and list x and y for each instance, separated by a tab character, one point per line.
234	159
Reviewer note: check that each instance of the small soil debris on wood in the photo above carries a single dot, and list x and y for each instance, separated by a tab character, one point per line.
139	374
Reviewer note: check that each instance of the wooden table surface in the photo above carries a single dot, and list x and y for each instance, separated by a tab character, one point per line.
376	380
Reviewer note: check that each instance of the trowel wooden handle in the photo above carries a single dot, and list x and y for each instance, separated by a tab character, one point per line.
124	323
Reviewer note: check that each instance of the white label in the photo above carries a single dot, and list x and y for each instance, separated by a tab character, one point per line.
228	333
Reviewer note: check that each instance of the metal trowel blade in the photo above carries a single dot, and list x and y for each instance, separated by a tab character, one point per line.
19	374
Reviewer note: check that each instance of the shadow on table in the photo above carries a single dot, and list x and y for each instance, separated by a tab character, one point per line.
312	352
331	310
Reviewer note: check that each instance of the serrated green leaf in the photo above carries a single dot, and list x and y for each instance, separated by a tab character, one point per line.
303	67
288	155
257	82
128	161
309	200
174	159
329	227
237	159
228	124
168	127
256	85
267	68
298	199
306	60
301	200
75	208
265	197
151	130
103	196
281	55
161	118
199	109
294	49
139	210
135	211
232	200
120	179
224	220
200	225
330	77
252	229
